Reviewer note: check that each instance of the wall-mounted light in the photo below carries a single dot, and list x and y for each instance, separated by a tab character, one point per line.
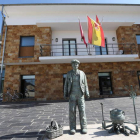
56	39
113	38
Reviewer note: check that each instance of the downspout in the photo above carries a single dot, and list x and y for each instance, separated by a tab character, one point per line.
2	23
3	51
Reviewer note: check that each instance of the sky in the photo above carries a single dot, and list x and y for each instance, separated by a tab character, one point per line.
65	1
70	1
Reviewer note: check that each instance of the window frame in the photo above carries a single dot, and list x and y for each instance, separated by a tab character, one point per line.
110	75
101	53
21	82
2	79
69	39
27	45
138	78
136	39
20	46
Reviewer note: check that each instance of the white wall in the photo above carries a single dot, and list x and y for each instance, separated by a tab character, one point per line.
57	46
30	15
63	20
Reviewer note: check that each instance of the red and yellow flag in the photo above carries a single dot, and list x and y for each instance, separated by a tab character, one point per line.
95	33
82	33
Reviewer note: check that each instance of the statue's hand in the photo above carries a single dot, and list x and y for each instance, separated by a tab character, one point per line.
88	96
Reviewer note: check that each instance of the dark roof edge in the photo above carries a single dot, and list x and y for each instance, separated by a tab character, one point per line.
26	4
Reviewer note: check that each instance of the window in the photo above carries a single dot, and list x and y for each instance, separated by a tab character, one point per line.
138	39
138	42
26	46
105	83
101	50
69	47
28	85
138	73
0	46
3	75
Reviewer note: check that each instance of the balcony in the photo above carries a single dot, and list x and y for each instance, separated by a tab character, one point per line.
64	53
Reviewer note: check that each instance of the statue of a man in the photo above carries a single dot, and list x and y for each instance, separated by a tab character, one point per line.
75	88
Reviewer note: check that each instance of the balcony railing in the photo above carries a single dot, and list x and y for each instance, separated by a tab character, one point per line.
80	49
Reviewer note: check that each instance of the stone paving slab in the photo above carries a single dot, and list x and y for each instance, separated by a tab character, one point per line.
95	132
28	120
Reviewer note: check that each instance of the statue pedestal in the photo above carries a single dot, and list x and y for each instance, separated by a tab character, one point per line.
95	132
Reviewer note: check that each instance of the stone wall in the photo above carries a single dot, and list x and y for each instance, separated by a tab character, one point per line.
42	36
127	34
49	78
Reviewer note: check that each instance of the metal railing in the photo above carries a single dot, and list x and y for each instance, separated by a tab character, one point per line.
80	49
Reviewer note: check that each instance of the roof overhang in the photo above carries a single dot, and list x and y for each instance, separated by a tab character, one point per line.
65	16
11	9
68	26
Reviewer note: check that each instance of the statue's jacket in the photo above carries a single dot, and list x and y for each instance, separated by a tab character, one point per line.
69	80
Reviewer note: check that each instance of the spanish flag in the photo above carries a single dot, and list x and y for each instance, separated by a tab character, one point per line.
95	33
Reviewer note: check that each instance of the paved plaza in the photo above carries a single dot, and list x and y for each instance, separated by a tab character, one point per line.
28	120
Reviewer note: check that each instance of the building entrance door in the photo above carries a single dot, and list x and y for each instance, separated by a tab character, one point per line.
28	85
105	83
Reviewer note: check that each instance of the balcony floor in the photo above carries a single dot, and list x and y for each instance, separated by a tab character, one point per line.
88	59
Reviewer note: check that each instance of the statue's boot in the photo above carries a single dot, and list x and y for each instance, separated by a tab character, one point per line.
84	131
72	131
118	131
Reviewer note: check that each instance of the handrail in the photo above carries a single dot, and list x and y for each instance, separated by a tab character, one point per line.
85	45
80	49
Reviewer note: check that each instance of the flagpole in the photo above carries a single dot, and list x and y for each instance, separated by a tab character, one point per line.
102	20
81	30
96	22
87	32
87	48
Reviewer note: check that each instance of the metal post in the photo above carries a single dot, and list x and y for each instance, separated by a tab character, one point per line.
133	97
123	47
135	110
3	59
102	111
113	49
87	48
2	23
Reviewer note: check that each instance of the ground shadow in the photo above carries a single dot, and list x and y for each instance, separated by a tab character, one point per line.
28	135
102	133
105	133
20	105
68	131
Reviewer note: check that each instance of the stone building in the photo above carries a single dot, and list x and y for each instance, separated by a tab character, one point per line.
42	39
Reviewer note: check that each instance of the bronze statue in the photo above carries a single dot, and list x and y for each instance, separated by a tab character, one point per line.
75	88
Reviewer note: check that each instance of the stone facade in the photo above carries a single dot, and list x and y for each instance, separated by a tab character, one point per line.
42	36
49	78
127	34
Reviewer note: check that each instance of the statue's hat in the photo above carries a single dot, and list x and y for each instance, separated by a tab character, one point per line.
75	61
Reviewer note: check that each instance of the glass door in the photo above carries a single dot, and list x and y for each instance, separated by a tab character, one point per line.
105	83
101	50
28	85
66	48
69	47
